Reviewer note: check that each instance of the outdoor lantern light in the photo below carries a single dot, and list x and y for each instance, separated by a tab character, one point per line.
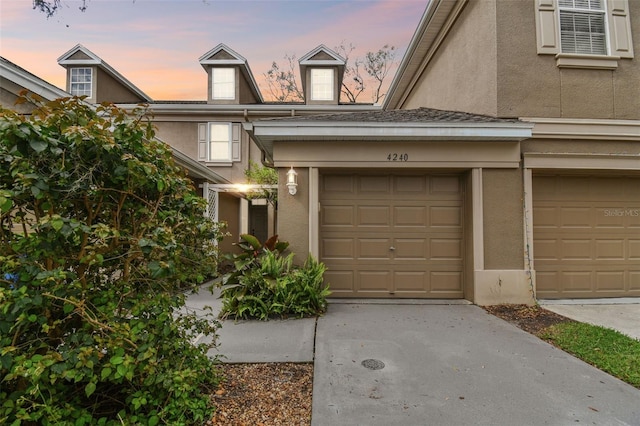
292	181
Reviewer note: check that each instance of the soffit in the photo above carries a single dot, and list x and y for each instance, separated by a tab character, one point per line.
31	82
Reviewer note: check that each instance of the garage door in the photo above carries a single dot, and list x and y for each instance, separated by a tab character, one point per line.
392	235
586	236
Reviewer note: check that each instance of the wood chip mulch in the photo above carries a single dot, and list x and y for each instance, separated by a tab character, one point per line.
277	394
532	319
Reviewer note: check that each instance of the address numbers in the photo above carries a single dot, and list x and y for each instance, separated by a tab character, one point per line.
398	157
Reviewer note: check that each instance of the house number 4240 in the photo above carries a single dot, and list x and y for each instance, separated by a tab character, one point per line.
398	157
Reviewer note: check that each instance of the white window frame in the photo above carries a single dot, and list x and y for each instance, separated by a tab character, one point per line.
217	130
619	43
593	10
223	83
81	77
228	151
322	84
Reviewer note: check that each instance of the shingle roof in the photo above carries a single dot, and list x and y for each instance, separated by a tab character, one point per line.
417	115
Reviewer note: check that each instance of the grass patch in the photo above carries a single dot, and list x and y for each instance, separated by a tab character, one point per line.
606	349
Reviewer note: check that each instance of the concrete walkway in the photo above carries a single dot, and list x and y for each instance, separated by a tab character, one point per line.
429	364
619	314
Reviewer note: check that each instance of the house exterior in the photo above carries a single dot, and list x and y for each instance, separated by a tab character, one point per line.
14	80
209	132
503	167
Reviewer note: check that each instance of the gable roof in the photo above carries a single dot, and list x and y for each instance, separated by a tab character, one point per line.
18	75
420	124
321	56
224	55
437	20
80	55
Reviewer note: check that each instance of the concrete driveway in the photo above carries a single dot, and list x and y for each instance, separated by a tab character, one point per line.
453	365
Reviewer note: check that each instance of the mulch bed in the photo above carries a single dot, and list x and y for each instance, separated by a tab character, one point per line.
275	394
532	319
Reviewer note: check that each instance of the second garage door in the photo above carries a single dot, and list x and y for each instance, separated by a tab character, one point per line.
586	236
392	235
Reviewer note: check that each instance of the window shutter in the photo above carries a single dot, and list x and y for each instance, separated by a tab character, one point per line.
620	28
547	27
202	141
236	140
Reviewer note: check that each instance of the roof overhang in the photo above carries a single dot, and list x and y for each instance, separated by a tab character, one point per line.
266	133
437	20
12	72
196	169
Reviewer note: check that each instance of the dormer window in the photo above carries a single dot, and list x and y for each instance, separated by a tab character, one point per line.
223	83
81	81
322	84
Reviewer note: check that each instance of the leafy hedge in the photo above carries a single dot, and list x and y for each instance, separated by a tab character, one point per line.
100	235
265	283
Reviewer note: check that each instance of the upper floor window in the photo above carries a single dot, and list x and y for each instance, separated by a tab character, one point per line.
582	27
223	83
219	142
591	34
322	84
80	81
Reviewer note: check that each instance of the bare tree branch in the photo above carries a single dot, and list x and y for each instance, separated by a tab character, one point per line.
282	84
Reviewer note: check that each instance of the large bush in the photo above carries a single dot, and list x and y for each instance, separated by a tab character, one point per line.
101	234
266	284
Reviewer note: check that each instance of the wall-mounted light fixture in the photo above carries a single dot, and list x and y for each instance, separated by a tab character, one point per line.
292	181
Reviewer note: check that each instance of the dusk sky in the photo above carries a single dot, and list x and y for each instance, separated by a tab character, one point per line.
156	44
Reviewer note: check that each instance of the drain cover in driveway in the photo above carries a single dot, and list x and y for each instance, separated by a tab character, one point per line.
373	364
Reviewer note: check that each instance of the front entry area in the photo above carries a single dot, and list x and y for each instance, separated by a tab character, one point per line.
392	235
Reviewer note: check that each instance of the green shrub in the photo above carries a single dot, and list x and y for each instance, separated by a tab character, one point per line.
100	235
265	283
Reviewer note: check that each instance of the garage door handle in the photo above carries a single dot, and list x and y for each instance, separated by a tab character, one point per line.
392	248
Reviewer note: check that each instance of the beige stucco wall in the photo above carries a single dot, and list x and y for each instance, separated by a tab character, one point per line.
549	146
109	89
462	74
293	214
503	219
531	85
488	64
183	135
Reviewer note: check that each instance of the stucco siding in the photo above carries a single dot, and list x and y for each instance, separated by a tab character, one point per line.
462	74
181	135
293	214
556	146
503	223
532	85
109	89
